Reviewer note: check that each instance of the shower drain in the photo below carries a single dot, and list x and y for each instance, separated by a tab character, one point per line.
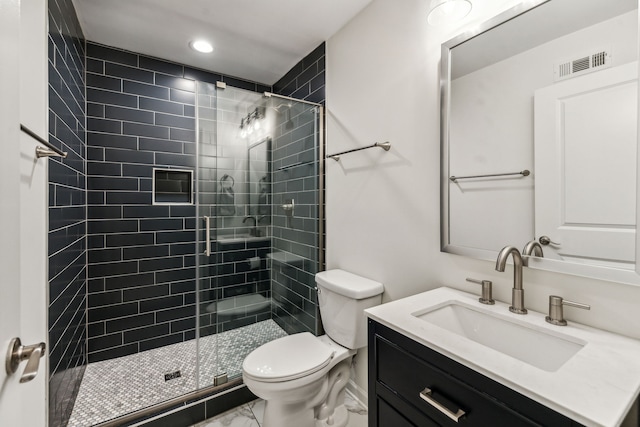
172	376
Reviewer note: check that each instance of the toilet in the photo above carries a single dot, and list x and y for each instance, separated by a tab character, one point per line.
301	377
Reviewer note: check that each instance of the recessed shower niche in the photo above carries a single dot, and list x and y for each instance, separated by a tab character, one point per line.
172	186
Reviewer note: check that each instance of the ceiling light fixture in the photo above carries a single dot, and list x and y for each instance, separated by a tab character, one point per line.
446	11
250	123
202	46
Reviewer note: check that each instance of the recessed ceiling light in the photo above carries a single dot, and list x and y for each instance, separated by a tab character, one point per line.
201	46
447	11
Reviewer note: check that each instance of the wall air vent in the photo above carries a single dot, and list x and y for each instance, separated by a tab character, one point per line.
598	59
580	65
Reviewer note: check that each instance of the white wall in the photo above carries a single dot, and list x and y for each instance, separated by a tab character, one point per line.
383	209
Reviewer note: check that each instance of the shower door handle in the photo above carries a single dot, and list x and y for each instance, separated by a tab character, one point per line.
207	226
18	353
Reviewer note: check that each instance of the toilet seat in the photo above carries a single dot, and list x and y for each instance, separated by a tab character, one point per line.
288	358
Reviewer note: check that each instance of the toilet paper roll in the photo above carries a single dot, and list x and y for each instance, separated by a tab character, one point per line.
254	262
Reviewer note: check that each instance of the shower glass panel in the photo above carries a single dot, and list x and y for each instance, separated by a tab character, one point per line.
258	182
297	249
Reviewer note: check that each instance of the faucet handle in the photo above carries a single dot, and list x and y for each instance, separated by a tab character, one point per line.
486	297
556	315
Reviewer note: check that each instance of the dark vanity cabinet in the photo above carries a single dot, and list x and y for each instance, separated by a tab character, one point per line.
412	385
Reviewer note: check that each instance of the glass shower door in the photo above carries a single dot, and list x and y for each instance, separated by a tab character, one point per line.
233	281
206	252
258	184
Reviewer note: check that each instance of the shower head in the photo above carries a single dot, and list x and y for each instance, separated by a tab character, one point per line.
286	109
288	125
283	105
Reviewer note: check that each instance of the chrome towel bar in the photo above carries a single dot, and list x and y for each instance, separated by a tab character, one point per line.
525	172
386	146
51	150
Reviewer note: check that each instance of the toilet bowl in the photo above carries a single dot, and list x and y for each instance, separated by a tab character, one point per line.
291	375
301	377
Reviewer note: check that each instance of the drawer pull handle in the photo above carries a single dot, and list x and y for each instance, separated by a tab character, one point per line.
426	396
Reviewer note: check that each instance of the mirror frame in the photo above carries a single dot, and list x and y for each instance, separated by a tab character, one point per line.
559	266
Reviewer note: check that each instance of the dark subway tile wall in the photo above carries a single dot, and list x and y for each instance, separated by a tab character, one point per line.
306	79
67	211
141	115
296	160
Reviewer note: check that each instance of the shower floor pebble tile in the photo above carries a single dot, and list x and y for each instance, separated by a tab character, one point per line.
116	387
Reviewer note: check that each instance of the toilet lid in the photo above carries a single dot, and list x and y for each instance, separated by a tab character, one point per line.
287	358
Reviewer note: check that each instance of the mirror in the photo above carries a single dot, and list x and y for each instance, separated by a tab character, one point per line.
539	137
259	181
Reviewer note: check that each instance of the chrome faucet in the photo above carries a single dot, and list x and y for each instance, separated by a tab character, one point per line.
533	248
254	230
517	293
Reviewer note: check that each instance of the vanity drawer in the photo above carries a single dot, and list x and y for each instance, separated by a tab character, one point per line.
426	388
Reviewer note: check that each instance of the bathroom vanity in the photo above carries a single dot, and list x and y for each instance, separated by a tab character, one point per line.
441	358
401	369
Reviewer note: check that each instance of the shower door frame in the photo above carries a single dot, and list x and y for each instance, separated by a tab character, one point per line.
24	307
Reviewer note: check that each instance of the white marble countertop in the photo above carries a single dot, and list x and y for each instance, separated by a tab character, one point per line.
596	387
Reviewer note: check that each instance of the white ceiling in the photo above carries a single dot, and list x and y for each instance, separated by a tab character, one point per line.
256	40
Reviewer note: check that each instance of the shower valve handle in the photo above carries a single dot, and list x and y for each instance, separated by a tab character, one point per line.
288	207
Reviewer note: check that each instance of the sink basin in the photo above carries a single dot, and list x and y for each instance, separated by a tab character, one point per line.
227	237
235	238
538	348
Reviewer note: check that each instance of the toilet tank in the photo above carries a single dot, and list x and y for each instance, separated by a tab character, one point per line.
342	298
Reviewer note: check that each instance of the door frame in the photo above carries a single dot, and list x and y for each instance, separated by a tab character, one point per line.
23	205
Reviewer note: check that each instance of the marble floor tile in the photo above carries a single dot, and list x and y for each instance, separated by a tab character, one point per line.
238	417
358	420
257	407
358	415
353	405
235	417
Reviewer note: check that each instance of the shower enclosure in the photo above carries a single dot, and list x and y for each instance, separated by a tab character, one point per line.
254	205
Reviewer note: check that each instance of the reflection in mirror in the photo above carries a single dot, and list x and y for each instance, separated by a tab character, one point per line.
259	181
550	89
